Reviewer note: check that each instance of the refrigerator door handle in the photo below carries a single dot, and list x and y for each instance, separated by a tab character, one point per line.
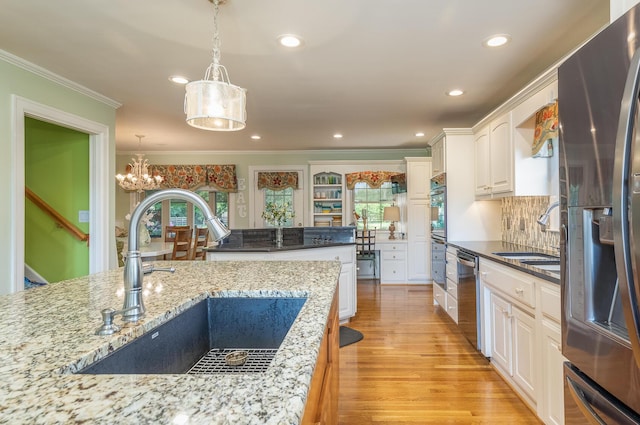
583	404
626	187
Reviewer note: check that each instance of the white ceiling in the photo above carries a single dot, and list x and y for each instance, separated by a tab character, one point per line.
376	71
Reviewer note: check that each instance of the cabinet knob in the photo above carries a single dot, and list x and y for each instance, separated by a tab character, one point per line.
519	291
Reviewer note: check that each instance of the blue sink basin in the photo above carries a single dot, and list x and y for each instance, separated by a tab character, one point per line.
215	323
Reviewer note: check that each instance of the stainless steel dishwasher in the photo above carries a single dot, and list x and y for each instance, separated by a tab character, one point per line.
468	288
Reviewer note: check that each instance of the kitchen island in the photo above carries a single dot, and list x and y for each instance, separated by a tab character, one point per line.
47	333
308	243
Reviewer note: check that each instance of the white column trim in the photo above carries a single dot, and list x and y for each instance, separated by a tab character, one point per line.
99	178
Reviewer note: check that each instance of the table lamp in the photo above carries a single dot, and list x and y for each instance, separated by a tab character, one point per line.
391	214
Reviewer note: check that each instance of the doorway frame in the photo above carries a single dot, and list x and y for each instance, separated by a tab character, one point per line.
99	216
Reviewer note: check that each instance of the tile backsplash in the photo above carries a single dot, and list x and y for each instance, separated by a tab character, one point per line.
519	226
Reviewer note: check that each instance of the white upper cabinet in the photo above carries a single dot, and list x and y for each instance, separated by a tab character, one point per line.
492	146
418	175
438	157
504	165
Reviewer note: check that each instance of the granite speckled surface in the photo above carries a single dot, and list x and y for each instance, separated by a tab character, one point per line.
47	333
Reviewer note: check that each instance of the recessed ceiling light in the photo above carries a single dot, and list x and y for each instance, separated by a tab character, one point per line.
337	136
455	92
496	40
178	79
256	137
419	134
290	40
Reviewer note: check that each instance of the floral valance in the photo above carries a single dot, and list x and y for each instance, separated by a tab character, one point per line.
191	177
277	180
373	178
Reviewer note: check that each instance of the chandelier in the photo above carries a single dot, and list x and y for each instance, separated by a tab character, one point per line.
214	103
138	177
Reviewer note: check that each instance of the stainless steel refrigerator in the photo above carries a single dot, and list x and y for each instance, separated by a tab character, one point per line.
599	111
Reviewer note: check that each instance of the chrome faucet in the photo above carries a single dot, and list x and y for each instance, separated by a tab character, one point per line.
133	307
544	218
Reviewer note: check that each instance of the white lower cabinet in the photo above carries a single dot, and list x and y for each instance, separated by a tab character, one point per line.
522	319
393	261
345	254
439	296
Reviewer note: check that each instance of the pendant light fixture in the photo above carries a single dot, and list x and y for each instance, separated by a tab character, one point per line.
137	177
214	103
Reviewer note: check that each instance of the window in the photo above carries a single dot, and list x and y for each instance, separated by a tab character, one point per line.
177	212
280	197
373	201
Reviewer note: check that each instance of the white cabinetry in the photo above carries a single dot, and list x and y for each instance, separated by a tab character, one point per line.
418	230
345	254
393	261
521	330
438	157
452	283
467	220
503	162
512	326
551	396
493	157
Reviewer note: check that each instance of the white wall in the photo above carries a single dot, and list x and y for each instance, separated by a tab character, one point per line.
617	8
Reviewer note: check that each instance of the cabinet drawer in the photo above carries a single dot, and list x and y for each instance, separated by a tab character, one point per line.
452	307
392	271
518	286
393	247
452	289
439	296
452	272
438	256
393	255
550	302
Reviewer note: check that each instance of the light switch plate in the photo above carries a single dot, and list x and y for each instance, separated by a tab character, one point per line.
83	216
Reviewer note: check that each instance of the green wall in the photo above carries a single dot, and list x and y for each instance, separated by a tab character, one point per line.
33	83
244	160
57	170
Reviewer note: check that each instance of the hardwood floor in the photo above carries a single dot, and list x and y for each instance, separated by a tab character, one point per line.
414	367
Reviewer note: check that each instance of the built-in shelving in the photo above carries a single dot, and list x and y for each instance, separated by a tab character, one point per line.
328	199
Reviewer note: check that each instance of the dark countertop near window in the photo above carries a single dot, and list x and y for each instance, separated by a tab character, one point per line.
487	249
295	238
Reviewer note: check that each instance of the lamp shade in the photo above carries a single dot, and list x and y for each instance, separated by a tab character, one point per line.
391	214
215	105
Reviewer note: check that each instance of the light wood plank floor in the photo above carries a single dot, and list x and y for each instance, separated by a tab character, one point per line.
414	367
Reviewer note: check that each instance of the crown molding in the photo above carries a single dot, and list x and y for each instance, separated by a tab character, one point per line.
55	78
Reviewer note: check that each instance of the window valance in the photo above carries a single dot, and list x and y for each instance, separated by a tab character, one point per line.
373	178
277	180
191	177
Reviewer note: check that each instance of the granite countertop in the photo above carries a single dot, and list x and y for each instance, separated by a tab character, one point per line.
48	332
487	249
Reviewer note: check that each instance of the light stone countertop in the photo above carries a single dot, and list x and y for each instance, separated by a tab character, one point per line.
48	332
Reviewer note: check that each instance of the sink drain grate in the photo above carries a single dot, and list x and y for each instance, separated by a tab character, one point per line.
213	362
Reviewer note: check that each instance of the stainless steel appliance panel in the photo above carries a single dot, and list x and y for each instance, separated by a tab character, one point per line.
468	289
588	403
438	262
598	90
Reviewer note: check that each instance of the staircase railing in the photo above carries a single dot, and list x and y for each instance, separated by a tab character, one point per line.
56	216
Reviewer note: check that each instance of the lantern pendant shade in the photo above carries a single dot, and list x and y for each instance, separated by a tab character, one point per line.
215	105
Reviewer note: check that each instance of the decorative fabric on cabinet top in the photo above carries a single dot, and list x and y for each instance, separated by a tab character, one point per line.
546	129
191	177
373	178
277	180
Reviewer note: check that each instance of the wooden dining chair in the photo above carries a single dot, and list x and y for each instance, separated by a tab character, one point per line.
200	240
366	247
170	232
181	244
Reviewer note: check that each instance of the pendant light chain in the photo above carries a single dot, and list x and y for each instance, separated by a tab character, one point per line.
216	42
